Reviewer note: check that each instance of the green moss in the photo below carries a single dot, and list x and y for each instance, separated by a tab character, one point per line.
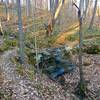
11	43
31	58
4	47
51	40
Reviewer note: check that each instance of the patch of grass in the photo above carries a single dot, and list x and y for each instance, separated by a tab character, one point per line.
95	41
11	43
93	32
51	40
88	33
4	47
31	58
92	49
5	94
8	44
57	29
72	37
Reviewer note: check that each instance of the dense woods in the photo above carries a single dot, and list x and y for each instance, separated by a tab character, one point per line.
49	49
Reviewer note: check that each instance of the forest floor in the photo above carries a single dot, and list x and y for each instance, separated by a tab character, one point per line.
17	87
41	87
13	86
62	37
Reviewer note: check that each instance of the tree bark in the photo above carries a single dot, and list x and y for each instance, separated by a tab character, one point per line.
86	8
12	1
80	44
1	1
21	34
55	5
52	6
94	12
7	11
28	5
55	15
81	6
7	2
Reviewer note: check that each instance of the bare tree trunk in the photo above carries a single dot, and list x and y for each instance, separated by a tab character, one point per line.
48	5
1	29
7	2
28	5
90	9
21	34
55	15
80	42
81	6
98	16
1	1
80	90
94	12
12	1
86	8
7	10
52	6
80	49
28	12
56	4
